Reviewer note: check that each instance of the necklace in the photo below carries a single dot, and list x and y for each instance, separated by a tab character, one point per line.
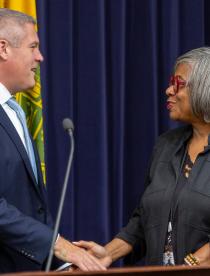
187	166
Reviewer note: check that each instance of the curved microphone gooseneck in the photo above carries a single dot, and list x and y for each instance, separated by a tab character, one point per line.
69	127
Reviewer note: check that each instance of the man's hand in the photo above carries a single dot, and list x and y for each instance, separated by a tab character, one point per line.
97	251
67	252
108	254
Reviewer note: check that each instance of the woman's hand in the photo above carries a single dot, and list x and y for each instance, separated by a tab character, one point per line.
96	250
203	254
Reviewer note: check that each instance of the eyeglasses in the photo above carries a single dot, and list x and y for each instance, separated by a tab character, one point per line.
177	83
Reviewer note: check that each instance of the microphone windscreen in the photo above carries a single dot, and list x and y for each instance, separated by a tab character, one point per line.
68	124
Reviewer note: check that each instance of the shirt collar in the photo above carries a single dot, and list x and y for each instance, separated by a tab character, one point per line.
4	94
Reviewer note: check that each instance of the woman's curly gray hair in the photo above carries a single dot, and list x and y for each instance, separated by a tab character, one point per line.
199	80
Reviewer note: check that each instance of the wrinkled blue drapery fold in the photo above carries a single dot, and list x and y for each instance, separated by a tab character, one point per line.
107	64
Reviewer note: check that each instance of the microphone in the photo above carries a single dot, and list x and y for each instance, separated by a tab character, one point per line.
69	127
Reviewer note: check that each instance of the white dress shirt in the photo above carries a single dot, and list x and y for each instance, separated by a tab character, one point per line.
4	97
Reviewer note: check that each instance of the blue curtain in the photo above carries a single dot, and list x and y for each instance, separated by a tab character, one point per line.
107	65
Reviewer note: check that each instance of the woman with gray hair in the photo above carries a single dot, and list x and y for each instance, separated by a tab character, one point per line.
171	223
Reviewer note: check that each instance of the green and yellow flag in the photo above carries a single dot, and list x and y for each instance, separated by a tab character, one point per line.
31	100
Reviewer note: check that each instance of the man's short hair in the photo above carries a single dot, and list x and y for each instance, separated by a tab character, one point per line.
12	25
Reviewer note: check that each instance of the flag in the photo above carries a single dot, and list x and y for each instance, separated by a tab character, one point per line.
31	100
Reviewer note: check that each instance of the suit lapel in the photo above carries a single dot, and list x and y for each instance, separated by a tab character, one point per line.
39	172
11	131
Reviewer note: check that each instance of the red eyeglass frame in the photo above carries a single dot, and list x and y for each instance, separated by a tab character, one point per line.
177	82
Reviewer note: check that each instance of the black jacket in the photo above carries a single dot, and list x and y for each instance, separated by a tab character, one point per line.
146	230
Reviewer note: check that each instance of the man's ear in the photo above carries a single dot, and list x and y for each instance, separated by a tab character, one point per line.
4	49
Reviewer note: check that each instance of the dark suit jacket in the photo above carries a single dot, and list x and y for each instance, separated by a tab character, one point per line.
147	228
25	222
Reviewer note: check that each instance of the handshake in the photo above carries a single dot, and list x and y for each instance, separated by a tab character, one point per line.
90	256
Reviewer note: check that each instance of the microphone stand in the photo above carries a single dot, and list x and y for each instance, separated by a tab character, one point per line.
58	217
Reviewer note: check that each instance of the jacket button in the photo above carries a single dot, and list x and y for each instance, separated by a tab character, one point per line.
40	210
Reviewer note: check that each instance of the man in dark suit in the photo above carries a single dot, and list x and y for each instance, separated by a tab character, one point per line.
25	223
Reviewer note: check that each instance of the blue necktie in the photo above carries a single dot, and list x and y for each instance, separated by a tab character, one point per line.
21	116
